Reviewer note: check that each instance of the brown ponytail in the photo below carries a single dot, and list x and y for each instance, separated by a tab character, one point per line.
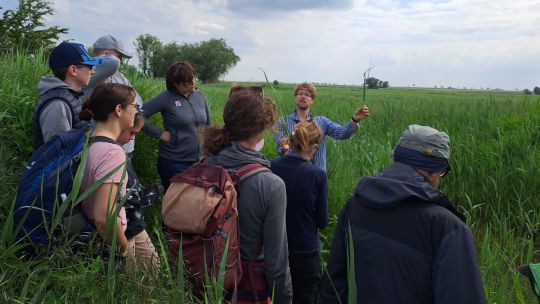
104	100
246	114
305	135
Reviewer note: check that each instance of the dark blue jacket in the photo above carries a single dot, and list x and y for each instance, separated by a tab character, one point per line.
410	245
307	201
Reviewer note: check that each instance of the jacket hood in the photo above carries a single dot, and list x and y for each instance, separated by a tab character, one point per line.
234	156
397	185
48	83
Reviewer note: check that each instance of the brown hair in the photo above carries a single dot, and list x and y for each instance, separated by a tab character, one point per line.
60	73
104	100
179	72
239	89
245	115
308	86
305	135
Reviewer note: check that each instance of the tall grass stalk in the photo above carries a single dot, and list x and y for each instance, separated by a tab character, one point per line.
351	276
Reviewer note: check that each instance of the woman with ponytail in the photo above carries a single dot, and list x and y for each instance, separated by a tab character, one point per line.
307	209
113	107
261	200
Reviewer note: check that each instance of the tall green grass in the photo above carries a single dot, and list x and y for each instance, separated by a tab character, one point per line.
495	179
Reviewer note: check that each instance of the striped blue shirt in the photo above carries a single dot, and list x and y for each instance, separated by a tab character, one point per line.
328	127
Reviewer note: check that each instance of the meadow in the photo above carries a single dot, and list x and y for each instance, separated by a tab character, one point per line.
495	179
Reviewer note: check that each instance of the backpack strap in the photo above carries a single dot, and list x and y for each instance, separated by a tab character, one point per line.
250	170
106	139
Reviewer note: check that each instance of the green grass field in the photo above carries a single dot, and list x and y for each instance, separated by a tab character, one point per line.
495	179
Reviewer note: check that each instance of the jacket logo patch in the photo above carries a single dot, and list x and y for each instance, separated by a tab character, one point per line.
178	103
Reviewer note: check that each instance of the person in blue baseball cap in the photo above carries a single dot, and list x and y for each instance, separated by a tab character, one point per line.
60	99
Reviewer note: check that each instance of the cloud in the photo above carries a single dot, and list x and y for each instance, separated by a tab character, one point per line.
458	43
262	6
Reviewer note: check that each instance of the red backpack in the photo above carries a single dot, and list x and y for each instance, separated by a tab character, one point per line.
200	213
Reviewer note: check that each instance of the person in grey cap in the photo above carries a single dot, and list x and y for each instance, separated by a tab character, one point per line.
113	53
409	244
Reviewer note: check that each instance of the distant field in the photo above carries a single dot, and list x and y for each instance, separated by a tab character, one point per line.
495	177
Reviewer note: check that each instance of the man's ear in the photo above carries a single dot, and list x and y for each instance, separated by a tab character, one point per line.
72	71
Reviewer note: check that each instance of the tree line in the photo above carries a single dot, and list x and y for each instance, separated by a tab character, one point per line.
374	83
24	28
536	91
211	59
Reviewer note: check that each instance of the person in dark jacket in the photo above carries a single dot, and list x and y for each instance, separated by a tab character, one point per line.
409	244
307	209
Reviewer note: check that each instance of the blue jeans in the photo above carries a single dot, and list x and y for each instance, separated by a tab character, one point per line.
168	168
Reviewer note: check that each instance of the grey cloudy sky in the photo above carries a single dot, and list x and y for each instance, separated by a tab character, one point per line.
480	44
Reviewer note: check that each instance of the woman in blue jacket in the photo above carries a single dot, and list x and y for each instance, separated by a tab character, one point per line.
307	209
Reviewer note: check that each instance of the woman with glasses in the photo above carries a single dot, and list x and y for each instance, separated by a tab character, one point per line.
184	111
307	209
113	108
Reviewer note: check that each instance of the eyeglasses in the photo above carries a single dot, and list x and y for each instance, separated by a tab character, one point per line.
137	107
303	94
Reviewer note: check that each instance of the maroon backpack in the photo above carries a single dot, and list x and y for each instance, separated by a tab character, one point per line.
200	213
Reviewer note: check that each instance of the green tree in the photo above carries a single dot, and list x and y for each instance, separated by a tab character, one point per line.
24	27
146	46
372	83
163	57
527	92
211	58
536	91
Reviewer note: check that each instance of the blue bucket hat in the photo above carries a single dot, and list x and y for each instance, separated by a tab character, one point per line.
69	53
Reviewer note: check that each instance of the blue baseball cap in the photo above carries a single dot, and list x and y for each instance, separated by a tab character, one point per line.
69	53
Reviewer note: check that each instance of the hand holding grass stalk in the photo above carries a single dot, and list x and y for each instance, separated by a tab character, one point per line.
284	143
360	113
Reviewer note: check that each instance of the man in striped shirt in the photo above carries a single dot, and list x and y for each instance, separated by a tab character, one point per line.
304	94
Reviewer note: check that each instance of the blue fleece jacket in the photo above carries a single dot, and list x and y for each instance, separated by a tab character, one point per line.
307	201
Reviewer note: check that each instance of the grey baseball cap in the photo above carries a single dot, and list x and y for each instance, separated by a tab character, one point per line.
108	42
429	141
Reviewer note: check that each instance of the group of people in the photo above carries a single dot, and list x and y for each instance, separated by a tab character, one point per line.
409	245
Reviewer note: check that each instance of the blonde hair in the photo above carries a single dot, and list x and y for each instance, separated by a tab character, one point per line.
305	135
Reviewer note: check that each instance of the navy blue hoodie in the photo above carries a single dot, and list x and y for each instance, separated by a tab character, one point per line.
410	245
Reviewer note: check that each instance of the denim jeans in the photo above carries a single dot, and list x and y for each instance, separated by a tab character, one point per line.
168	168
